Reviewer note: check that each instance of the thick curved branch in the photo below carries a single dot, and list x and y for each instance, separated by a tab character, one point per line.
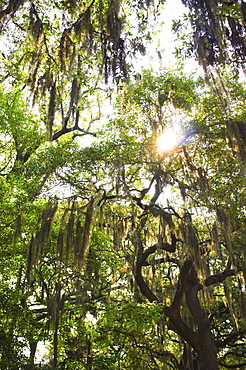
231	338
219	278
66	130
188	284
184	273
174	314
143	286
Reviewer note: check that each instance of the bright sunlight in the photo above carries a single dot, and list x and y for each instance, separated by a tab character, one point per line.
167	140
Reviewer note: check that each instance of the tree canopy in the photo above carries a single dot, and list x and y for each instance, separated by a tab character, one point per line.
123	208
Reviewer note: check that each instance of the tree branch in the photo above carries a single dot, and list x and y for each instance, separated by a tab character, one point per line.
175	306
144	288
66	130
219	278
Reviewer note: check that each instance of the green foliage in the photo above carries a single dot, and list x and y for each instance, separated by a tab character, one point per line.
168	86
88	232
127	332
21	134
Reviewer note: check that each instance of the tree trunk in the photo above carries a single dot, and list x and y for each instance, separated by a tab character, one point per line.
201	340
33	348
206	349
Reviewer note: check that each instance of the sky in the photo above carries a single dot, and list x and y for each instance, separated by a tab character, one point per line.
164	40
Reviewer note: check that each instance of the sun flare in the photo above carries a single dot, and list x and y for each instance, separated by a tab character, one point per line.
167	141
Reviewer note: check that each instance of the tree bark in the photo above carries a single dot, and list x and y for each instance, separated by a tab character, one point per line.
201	340
206	349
